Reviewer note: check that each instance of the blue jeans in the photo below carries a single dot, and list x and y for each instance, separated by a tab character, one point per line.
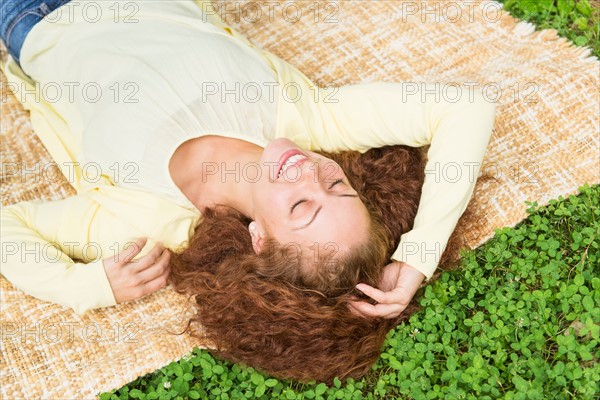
17	17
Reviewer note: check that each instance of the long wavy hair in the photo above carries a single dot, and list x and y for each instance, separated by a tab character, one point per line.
263	311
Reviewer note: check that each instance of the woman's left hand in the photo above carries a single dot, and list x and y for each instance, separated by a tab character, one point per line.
398	285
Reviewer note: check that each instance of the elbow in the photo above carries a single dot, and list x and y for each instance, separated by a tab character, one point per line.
485	108
481	111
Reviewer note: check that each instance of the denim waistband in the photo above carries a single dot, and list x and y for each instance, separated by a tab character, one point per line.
19	17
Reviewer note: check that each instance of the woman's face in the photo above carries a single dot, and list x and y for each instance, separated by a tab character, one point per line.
307	200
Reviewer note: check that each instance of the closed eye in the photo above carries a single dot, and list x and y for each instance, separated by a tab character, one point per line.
296	204
337	181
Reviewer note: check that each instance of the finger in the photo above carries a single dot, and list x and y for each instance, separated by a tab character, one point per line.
367	314
149	259
131	250
159	268
353	310
155	284
378	310
376	294
356	311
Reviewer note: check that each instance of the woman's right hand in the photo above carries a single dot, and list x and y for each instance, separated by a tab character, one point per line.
131	279
398	285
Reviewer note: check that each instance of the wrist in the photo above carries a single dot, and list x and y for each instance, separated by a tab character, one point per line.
412	271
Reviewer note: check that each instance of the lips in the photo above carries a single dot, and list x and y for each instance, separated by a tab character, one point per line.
285	157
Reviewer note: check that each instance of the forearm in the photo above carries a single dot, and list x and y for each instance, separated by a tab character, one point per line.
38	259
457	124
458	144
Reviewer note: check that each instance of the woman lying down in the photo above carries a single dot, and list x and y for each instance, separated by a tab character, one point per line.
300	224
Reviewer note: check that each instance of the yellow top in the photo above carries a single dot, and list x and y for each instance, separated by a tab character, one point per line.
53	250
132	101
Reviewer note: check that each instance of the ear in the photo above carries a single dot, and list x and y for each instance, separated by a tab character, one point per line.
257	235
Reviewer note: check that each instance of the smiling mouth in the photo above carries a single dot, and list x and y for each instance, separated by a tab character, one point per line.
289	159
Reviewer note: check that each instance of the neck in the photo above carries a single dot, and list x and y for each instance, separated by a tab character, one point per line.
209	170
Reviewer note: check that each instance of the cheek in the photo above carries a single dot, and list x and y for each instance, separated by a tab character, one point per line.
330	170
278	204
271	201
272	213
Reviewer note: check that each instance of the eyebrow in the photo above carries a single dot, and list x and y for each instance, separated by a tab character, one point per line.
317	212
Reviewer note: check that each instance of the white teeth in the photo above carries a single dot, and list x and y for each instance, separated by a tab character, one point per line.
291	161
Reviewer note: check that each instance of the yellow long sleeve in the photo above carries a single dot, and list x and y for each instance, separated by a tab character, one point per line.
54	250
456	122
40	241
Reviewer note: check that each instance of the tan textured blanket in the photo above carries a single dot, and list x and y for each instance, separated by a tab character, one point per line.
545	144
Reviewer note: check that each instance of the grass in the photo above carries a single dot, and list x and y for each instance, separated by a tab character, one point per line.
519	320
576	20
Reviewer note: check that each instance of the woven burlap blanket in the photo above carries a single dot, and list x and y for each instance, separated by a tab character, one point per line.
545	144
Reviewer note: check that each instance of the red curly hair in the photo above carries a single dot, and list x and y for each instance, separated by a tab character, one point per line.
261	310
